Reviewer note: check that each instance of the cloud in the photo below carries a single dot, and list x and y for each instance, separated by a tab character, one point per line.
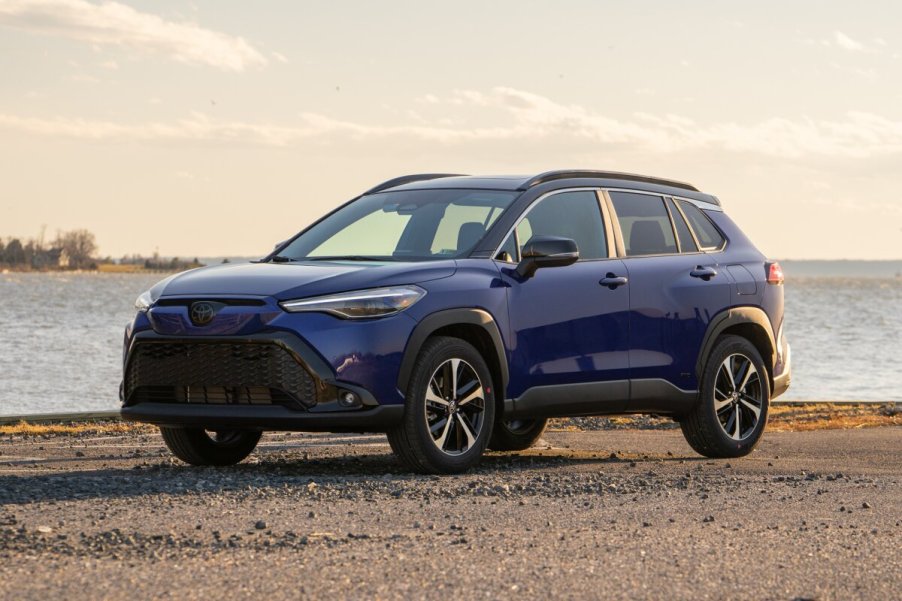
519	117
115	24
847	43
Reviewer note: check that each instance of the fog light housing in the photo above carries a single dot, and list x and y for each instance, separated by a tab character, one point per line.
346	398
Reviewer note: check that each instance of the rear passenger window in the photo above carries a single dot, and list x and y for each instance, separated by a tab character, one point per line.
644	223
687	244
707	233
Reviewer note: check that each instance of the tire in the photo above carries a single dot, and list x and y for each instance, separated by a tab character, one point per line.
198	447
516	434
724	422
447	421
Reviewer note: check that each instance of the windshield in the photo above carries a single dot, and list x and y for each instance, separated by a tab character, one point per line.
414	225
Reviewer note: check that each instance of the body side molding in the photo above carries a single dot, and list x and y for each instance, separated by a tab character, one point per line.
614	397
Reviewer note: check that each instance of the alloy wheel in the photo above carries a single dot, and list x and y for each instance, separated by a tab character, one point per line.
455	407
738	396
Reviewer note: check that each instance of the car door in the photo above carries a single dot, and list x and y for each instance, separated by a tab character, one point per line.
569	333
675	290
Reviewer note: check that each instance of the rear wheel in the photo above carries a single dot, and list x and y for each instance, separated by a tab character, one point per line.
202	447
449	409
732	410
516	434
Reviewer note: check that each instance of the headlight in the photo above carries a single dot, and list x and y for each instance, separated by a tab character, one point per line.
360	304
143	302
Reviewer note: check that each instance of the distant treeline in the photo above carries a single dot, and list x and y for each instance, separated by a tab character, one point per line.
75	249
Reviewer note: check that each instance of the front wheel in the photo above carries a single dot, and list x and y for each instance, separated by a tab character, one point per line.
735	396
449	409
201	447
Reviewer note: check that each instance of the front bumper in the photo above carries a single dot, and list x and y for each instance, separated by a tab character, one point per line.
271	381
273	417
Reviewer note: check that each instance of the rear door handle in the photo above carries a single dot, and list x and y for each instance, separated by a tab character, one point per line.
613	281
705	273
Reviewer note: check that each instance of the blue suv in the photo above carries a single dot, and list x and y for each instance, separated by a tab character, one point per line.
457	313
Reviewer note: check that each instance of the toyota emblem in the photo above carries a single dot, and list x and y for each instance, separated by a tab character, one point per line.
202	313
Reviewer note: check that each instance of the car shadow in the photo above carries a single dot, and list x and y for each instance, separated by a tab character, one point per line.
369	473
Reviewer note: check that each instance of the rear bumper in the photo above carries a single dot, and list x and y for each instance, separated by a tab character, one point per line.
784	378
273	417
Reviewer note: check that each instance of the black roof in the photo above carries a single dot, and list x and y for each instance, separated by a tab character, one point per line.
607	179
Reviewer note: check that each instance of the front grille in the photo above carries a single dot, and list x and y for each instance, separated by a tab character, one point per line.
213	395
232	302
256	373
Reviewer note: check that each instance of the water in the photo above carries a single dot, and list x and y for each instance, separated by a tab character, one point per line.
61	338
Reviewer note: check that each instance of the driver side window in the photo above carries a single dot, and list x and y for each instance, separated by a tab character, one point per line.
575	215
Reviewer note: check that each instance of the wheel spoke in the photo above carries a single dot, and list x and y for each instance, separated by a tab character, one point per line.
738	432
434	398
440	441
455	367
720	404
728	427
471	439
727	368
438	425
476	394
749	372
755	410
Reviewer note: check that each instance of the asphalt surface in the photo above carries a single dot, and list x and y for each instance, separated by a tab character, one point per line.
626	514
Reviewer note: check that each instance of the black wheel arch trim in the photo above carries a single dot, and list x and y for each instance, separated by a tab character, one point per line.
452	317
732	317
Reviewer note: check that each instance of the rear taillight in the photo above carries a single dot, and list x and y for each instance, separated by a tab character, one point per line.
774	273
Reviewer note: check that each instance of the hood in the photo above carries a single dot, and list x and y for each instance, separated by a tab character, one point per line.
299	280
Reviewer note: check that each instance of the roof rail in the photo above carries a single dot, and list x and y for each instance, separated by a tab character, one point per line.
549	176
406	179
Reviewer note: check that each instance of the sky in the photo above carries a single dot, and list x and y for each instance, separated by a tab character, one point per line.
217	128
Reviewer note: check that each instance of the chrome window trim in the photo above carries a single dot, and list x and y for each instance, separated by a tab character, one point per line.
699	203
607	216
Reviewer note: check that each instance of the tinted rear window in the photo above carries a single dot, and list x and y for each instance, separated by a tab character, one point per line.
644	223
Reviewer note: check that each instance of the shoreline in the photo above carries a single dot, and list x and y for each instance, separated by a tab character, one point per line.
783	417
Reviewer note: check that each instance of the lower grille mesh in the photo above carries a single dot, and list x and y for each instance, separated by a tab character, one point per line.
217	373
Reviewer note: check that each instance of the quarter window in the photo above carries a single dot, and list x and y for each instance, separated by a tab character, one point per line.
707	233
687	244
644	223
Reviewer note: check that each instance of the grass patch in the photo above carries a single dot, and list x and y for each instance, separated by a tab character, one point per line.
783	417
801	417
75	428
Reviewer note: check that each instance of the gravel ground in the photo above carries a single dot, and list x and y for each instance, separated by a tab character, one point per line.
587	514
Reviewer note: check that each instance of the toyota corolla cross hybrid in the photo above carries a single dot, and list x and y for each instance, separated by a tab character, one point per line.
459	313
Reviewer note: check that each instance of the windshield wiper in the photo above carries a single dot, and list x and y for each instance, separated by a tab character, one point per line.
348	258
281	259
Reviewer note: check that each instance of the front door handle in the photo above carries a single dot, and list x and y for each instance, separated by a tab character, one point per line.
705	273
613	281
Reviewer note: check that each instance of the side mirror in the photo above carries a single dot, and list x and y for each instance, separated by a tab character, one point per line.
546	251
